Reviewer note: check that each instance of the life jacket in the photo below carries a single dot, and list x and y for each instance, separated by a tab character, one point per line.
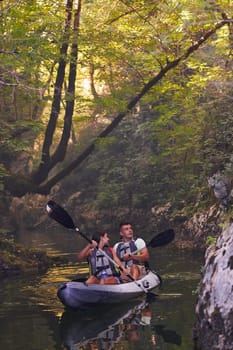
99	263
126	248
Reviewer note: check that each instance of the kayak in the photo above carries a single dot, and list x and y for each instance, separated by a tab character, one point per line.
78	294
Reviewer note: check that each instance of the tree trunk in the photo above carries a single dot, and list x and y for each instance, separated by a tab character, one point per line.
60	152
45	188
35	184
42	172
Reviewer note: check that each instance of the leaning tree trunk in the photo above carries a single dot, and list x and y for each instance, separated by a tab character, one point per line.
37	182
45	188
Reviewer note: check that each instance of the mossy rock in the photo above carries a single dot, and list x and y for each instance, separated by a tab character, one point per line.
16	259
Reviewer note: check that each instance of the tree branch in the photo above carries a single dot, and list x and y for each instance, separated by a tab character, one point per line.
44	189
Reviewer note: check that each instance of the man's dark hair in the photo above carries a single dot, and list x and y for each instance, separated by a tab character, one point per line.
123	223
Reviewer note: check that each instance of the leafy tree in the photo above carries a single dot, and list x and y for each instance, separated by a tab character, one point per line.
127	47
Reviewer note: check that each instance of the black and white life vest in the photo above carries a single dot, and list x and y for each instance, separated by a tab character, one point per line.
126	248
99	263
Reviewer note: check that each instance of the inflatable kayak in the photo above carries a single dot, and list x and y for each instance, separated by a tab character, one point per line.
77	294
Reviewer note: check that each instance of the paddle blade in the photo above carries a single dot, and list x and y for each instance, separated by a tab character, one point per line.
162	238
57	213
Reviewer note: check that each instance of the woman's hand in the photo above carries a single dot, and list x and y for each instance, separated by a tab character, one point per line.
92	245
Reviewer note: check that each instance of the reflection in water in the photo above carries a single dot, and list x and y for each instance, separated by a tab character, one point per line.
87	327
169	336
121	324
43	291
23	324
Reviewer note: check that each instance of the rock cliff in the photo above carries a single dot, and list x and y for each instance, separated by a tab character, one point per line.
214	310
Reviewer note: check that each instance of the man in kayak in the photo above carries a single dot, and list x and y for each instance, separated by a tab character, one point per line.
103	270
131	252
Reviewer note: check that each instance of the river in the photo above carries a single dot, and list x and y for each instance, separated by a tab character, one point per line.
32	318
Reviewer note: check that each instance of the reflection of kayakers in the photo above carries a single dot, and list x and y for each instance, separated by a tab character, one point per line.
88	331
134	321
90	346
146	316
132	334
103	270
105	341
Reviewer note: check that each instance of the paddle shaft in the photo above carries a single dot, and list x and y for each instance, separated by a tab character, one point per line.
59	214
111	260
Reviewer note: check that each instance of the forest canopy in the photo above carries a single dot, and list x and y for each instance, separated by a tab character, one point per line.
83	76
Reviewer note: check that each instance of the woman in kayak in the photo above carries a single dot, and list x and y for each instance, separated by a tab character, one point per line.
103	270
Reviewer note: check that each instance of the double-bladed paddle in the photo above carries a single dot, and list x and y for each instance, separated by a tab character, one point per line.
59	214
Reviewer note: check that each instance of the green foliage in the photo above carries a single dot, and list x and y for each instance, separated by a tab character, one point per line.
28	44
163	152
210	240
106	141
17	137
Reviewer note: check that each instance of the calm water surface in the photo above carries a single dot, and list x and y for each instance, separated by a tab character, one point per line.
32	318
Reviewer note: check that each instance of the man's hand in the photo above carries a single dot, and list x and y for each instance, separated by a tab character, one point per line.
127	257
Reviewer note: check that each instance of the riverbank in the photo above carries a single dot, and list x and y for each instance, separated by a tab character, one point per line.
193	231
16	259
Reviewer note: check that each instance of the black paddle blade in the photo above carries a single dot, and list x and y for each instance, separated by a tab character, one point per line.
57	213
162	238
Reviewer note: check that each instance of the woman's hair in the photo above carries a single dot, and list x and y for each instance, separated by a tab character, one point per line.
96	236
